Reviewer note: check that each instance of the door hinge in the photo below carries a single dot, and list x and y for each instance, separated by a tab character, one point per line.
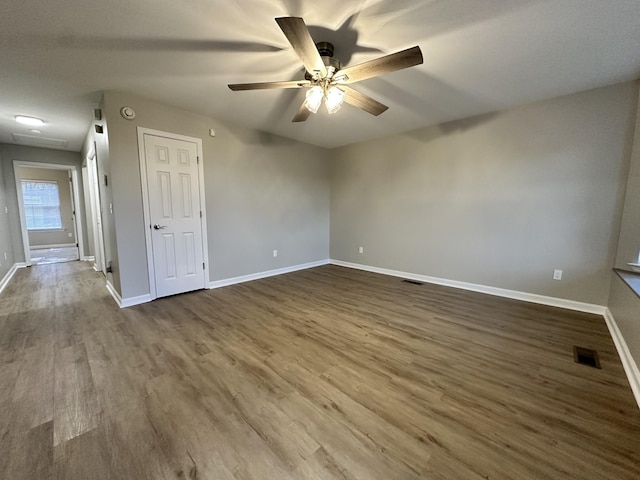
203	266
198	160
77	245
200	213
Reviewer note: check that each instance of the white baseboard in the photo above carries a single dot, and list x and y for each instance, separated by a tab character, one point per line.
57	245
116	296
629	364
127	302
7	278
270	273
500	292
88	259
131	301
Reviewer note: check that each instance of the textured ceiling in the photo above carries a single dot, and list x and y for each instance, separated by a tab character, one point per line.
56	58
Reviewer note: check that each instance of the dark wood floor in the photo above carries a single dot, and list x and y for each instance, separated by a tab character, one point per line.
328	373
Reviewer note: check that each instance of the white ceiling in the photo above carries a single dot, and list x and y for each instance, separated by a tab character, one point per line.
56	58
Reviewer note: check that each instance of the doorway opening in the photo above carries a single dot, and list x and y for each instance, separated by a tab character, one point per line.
93	206
48	200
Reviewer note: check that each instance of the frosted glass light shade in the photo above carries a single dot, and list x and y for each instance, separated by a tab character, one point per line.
333	99
314	99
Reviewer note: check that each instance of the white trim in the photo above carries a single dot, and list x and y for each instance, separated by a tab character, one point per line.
116	296
500	292
94	206
127	302
53	245
23	222
88	259
131	301
77	224
7	278
629	365
269	273
146	207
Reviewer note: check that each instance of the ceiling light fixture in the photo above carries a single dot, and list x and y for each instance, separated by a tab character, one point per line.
33	121
333	98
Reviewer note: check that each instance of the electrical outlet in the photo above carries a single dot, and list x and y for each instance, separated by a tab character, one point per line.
6	210
360	249
70	234
557	274
5	255
275	253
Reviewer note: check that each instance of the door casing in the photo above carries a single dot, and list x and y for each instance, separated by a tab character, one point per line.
75	198
99	263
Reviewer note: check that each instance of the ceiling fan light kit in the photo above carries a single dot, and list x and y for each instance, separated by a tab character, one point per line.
333	98
325	77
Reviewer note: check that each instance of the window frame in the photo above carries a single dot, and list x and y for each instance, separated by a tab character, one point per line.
28	205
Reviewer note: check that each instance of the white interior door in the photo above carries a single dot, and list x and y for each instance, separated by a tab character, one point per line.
175	214
96	210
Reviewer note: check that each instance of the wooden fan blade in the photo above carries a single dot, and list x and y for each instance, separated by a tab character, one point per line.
389	63
302	115
266	85
362	101
300	39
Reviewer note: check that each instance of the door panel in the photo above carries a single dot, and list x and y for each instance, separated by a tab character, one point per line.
174	207
190	254
186	200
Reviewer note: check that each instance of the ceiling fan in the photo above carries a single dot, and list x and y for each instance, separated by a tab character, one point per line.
325	77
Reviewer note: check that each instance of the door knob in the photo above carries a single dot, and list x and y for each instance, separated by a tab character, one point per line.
159	227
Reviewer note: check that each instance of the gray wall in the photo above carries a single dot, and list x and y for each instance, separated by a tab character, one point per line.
66	235
498	200
99	143
262	193
9	153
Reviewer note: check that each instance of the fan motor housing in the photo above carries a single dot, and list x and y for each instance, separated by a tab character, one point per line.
325	49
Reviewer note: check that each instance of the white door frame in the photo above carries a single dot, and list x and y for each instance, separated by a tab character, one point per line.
146	207
99	263
75	196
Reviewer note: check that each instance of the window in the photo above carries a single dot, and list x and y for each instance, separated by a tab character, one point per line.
41	205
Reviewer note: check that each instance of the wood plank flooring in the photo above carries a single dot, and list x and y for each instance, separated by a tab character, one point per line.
327	373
